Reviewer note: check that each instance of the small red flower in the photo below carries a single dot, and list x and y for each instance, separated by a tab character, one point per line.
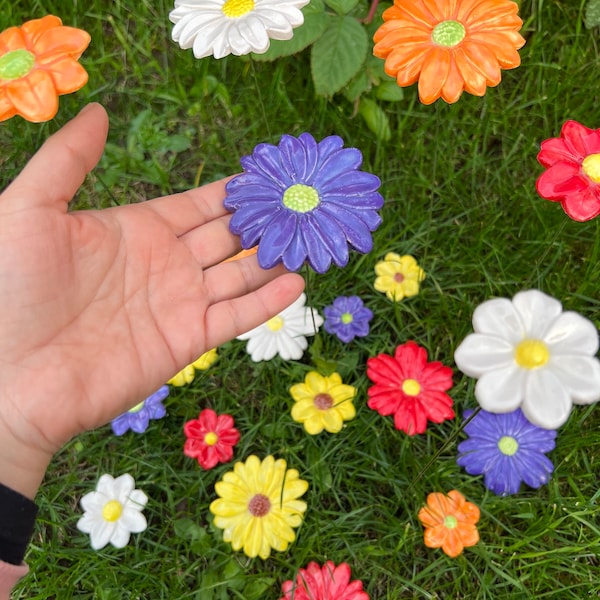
410	388
573	171
210	438
324	583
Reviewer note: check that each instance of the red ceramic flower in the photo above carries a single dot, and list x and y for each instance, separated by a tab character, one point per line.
410	388
324	583
210	438
573	171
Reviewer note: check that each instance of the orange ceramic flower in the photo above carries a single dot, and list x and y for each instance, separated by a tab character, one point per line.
449	45
38	63
450	522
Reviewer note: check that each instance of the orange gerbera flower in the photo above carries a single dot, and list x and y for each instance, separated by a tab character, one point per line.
449	45
449	522
38	63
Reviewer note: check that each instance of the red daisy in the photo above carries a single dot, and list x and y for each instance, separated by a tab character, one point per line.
410	388
210	438
573	171
324	583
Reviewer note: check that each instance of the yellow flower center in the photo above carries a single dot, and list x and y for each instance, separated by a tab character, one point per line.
259	505
591	167
237	8
347	318
411	387
16	64
137	407
531	354
450	522
323	401
301	198
448	33
211	438
508	445
112	511
275	324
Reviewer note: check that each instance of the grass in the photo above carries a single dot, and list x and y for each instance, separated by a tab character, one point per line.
460	197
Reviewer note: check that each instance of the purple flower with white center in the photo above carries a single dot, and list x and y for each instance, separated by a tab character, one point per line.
304	201
506	449
138	417
347	318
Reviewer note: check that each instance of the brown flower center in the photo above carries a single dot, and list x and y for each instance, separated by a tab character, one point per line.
259	505
323	401
398	278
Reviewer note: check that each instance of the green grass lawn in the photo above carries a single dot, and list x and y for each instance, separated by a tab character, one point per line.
459	184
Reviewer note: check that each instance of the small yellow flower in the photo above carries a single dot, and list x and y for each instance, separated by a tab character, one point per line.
258	506
187	374
398	276
322	403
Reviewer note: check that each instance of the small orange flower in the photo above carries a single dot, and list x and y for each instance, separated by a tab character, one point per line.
450	522
449	45
38	63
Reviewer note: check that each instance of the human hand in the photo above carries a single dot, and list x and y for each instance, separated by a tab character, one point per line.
100	308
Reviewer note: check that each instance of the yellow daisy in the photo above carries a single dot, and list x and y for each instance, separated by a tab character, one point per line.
187	374
322	403
398	276
258	506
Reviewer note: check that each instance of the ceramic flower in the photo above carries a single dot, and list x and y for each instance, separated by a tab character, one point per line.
138	418
326	582
507	449
322	402
187	374
258	505
528	353
222	27
450	522
304	201
284	334
113	512
398	277
410	388
210	438
38	63
347	318
449	45
573	171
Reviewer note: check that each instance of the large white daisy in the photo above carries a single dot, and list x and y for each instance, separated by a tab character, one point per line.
284	334
222	27
528	353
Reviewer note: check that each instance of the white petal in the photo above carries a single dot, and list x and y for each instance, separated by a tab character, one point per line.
120	536
101	533
250	36
262	347
93	502
133	520
547	403
579	375
477	354
291	348
499	318
106	485
123	486
537	311
137	499
501	390
86	523
572	334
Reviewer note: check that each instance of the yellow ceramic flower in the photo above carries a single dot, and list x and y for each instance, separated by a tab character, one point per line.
398	276
187	374
323	403
258	506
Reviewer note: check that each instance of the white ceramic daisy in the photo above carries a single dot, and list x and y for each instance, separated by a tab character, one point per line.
113	511
284	334
528	353
222	27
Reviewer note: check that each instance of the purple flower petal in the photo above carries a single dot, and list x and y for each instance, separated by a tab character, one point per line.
276	239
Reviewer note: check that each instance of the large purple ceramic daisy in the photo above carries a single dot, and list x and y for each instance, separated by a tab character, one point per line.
507	450
138	418
347	318
304	201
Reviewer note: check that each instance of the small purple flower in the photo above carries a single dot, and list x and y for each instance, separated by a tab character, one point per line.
304	201
138	418
347	318
506	449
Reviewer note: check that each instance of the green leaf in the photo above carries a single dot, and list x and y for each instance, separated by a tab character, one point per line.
338	55
341	7
375	119
389	91
592	14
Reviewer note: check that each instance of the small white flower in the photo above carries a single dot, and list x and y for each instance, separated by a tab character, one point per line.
284	334
113	512
222	27
528	353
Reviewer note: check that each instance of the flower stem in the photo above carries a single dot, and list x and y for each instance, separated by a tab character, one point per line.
371	12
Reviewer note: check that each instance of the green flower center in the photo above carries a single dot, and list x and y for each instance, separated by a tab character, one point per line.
301	198
531	354
347	318
211	438
448	33
323	401
112	511
591	167
259	505
411	387
137	407
237	8
508	445
16	64
450	522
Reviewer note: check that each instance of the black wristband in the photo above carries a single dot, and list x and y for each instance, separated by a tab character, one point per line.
17	519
